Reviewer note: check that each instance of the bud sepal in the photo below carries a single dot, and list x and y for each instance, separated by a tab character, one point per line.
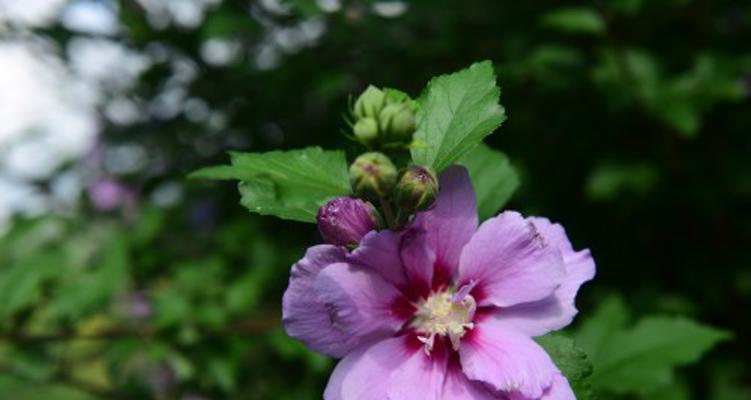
372	175
416	190
369	103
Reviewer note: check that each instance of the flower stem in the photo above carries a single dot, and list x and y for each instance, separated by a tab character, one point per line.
388	214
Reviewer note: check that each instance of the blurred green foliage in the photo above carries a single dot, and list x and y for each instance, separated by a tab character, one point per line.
138	310
627	120
641	359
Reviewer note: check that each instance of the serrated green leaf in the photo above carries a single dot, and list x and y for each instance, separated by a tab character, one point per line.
311	168
493	178
574	20
262	196
642	359
287	184
610	317
572	361
455	113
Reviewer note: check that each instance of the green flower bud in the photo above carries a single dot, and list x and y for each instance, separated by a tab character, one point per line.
398	120
372	175
366	129
417	189
370	103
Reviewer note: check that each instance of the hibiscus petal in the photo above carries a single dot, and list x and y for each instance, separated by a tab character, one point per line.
554	234
506	360
452	220
557	310
511	262
396	368
421	376
359	302
458	387
364	374
304	315
418	260
379	251
559	390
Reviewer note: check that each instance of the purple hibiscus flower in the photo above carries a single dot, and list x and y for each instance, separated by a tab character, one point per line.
442	310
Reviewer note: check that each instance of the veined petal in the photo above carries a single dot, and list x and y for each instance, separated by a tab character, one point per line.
451	222
421	376
557	310
393	369
418	260
304	315
364	373
511	261
506	360
559	390
458	387
379	251
359	302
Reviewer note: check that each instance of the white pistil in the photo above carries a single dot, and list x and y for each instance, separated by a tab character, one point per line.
444	314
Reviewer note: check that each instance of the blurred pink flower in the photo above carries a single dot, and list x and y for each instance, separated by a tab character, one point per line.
108	194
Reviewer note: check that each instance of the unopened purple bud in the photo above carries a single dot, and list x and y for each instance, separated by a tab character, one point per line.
345	220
